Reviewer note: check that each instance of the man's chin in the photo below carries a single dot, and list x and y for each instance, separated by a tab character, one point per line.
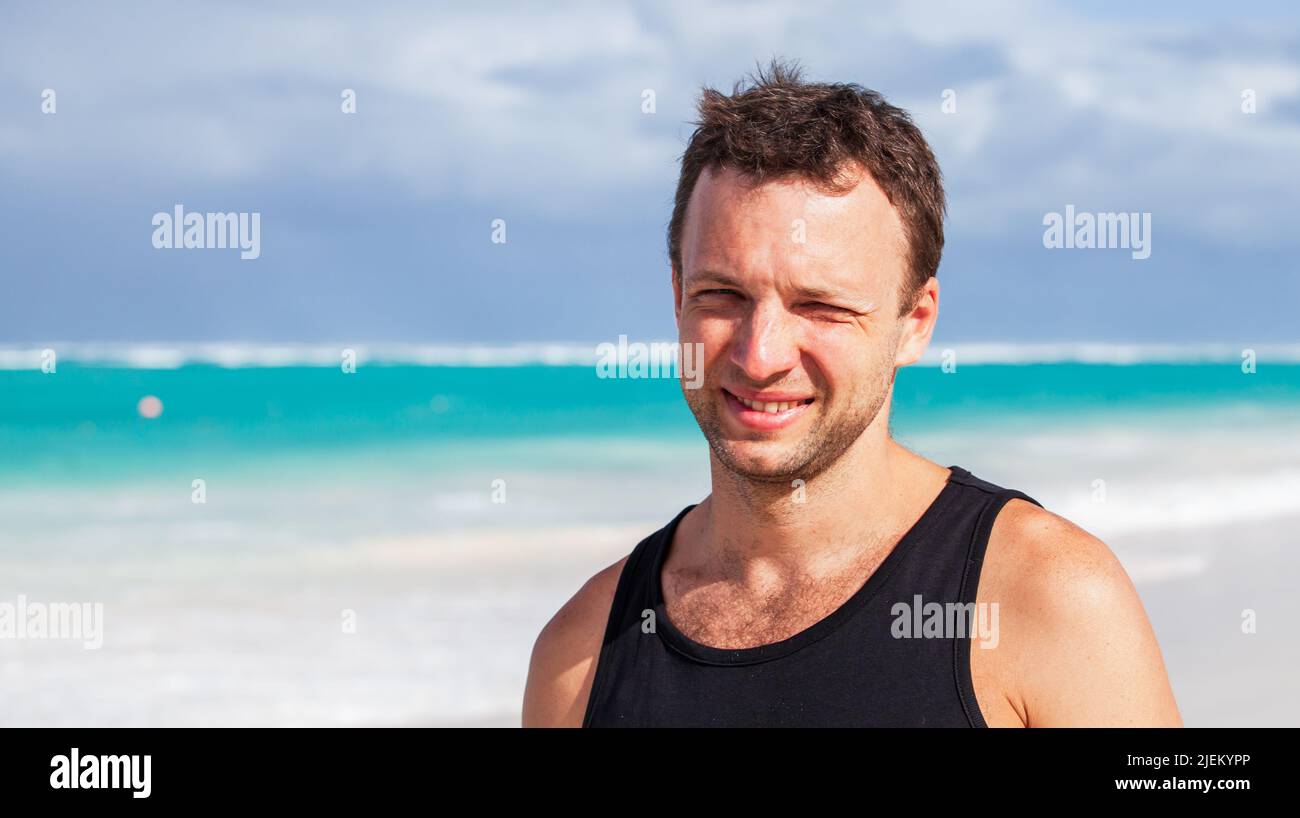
763	462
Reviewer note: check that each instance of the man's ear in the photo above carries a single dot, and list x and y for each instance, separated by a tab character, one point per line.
918	325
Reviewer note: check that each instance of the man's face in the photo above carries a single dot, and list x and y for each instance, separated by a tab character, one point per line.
795	295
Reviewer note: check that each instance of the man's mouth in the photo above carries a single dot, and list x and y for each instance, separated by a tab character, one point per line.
766	412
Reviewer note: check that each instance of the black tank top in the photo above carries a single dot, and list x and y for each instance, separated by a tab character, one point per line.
865	664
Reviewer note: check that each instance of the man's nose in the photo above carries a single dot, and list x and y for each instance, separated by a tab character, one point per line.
767	343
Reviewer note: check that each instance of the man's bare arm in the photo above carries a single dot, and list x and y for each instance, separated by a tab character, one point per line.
1080	650
564	659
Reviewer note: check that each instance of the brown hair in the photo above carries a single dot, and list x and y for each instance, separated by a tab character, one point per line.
779	126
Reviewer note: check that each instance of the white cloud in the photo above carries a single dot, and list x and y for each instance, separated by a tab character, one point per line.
526	104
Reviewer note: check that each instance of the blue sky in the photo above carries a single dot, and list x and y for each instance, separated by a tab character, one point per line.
376	226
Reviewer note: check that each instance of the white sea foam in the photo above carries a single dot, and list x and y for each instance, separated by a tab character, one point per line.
1146	569
163	355
236	355
1107	353
1194	503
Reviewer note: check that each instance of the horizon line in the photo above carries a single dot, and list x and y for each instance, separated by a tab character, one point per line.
245	354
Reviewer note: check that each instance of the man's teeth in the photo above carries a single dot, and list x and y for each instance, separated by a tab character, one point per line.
770	408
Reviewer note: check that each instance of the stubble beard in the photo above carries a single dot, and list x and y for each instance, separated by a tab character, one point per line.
832	434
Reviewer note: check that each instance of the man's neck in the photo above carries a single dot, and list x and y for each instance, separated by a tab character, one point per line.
867	498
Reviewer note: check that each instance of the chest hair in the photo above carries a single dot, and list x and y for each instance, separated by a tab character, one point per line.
730	614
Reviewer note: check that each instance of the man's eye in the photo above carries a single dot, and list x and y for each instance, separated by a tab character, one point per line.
825	310
717	292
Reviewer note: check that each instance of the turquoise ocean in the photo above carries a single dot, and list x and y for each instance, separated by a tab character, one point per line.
292	543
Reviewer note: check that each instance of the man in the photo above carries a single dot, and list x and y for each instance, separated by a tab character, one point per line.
804	242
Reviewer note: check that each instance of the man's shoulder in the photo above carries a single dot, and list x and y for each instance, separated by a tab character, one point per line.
564	658
1055	574
1079	646
1047	549
586	611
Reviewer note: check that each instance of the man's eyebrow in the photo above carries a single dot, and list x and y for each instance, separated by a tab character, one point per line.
809	293
848	300
818	293
714	277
